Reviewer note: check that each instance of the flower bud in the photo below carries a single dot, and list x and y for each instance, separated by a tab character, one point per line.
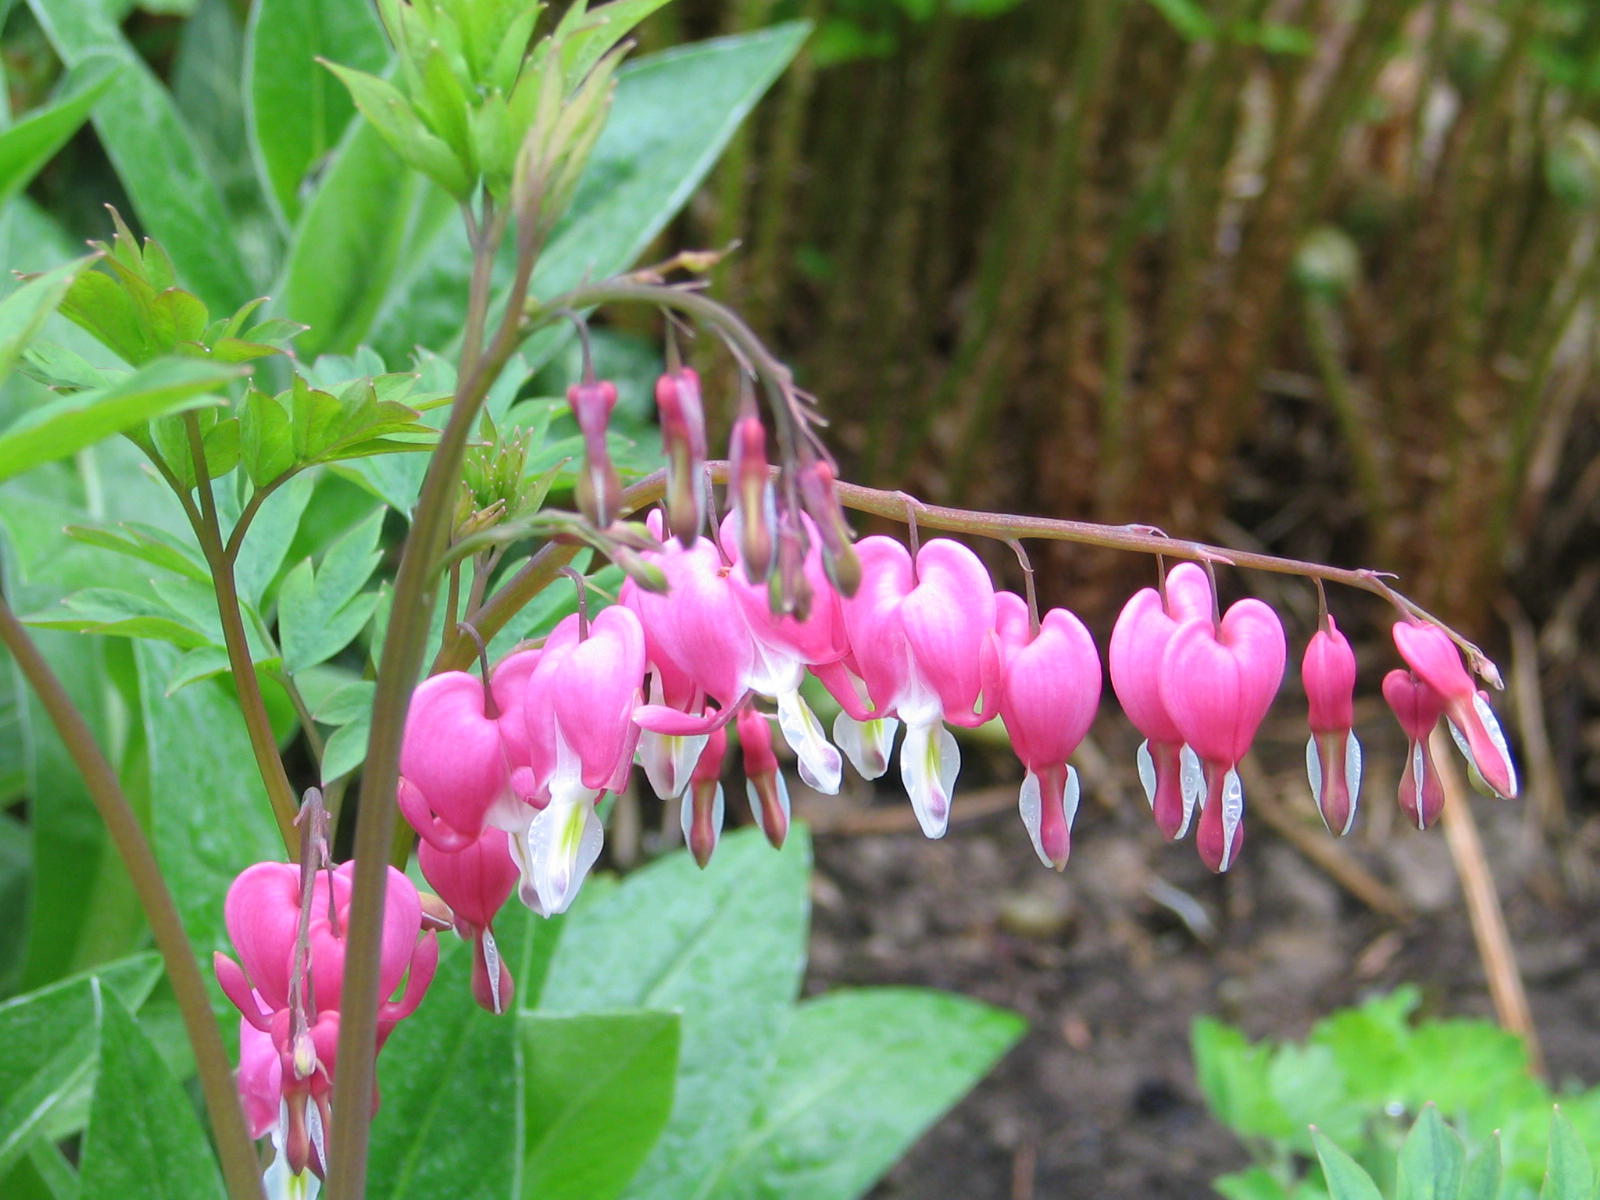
599	490
1333	755
702	810
753	500
820	498
683	437
1418	707
764	784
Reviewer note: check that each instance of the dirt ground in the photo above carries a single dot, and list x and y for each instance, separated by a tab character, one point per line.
1112	960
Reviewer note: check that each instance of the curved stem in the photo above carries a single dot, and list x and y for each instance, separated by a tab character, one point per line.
239	1167
398	668
543	567
263	742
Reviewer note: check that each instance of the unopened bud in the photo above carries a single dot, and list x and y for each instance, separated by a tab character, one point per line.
764	784
599	490
683	436
703	806
305	1055
753	500
789	591
436	914
821	501
646	574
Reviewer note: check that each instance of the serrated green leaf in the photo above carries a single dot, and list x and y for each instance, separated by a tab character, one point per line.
1346	1179
297	110
1234	1075
64	370
49	1037
267	542
597	1088
320	612
859	1075
67	424
1431	1160
143	1137
33	141
266	438
154	154
1569	1174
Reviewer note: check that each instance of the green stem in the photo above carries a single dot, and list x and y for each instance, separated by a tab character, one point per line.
398	668
239	1167
263	742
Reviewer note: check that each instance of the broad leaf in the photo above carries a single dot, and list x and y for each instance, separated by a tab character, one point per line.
144	1138
1431	1160
297	110
1481	1180
152	150
448	1078
1569	1174
597	1089
859	1076
67	424
1346	1180
49	1037
726	946
320	611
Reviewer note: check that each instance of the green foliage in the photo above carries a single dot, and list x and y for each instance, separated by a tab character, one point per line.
1340	1098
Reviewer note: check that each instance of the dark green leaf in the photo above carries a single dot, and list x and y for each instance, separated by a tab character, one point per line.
597	1088
270	534
297	109
152	150
1346	1180
67	424
118	613
726	946
858	1077
148	544
49	1036
1431	1160
144	1138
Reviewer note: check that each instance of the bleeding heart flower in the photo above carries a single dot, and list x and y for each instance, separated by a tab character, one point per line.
1418	707
453	768
764	786
1333	755
475	883
1433	657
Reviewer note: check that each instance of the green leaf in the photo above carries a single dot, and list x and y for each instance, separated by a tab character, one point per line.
67	424
1235	1077
270	535
34	140
1253	1183
1431	1160
118	613
297	110
209	816
24	312
346	748
1482	1178
450	1086
320	612
1569	1174
153	153
859	1076
345	704
144	1138
597	1089
266	438
147	544
652	155
585	37
1346	1180
398	124
726	946
49	1036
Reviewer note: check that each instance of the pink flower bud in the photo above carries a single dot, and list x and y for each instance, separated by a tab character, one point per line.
1418	707
1431	654
753	499
599	490
476	882
683	437
702	811
820	496
452	761
764	784
1333	755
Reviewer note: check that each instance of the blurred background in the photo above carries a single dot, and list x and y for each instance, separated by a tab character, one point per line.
1314	277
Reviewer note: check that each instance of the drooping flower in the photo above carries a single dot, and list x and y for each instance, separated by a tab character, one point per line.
598	488
1333	755
1217	682
683	438
702	810
1050	688
1418	707
453	768
475	883
754	504
921	647
1168	769
1433	657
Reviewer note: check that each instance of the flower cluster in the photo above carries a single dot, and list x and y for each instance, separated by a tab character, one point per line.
500	776
288	928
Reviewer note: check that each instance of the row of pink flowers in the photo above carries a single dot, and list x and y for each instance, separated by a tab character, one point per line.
509	770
